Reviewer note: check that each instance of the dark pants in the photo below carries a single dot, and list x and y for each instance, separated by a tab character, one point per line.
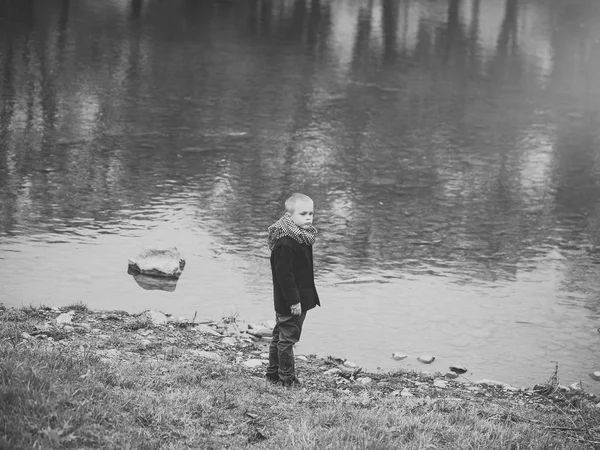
281	352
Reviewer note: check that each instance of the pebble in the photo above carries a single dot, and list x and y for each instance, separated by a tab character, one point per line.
426	359
300	357
229	341
206	355
575	386
365	380
253	363
399	356
495	383
439	383
406	393
157	318
451	375
350	364
458	369
202	328
65	317
25	335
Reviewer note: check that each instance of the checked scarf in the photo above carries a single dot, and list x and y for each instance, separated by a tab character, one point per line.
286	227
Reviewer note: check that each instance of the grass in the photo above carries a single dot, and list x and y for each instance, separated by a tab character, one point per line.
64	396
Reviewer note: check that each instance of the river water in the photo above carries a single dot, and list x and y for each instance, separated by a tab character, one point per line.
452	149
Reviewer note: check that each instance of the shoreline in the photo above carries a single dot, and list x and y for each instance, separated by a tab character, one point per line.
229	329
112	339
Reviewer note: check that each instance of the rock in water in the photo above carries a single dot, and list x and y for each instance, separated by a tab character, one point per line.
458	369
399	356
158	262
595	376
426	359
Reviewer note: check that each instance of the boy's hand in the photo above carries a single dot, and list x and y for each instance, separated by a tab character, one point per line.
296	309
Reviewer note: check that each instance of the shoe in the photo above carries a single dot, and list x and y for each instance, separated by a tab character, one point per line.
273	379
292	382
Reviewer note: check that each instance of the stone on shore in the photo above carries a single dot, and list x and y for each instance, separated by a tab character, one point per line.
206	355
439	383
158	262
492	383
451	375
426	359
206	329
65	318
157	318
458	369
399	356
350	364
406	393
253	363
595	376
576	386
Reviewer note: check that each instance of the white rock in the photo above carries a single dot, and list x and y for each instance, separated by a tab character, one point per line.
598	405
439	383
350	364
451	375
202	328
266	355
65	317
301	357
25	335
488	382
158	262
110	353
229	341
575	386
399	356
406	393
426	359
157	318
145	342
206	355
333	371
595	376
365	380
253	363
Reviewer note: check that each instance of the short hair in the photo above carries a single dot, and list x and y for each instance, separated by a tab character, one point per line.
290	203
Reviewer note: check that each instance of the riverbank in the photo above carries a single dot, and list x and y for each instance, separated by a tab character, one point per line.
75	378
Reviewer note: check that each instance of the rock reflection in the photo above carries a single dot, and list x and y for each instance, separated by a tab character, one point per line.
154	283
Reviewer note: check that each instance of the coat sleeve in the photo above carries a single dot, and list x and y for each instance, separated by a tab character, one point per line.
284	273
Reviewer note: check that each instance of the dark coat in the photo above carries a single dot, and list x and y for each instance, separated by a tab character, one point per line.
293	276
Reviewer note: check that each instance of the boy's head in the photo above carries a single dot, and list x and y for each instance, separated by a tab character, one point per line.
300	209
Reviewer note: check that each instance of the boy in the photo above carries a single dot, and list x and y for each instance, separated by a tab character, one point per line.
290	241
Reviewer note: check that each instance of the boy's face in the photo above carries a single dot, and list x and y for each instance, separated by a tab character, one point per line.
303	213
